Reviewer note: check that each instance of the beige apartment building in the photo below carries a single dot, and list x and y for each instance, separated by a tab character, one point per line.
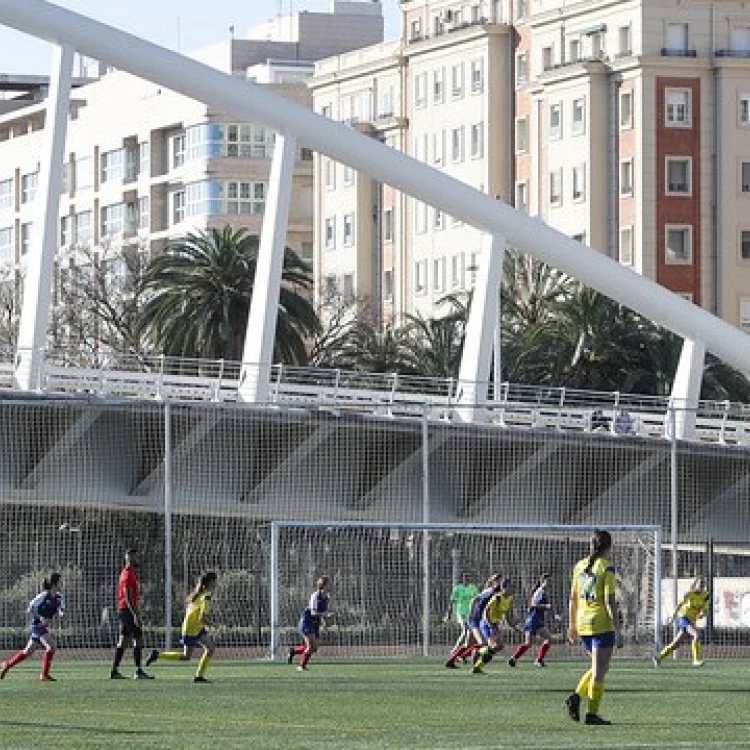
146	165
623	123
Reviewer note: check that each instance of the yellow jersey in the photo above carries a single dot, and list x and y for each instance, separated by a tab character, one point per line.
693	605
197	612
591	591
498	608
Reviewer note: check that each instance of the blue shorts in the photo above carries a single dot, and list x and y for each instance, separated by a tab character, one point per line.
37	630
532	623
489	631
683	623
600	640
192	640
309	625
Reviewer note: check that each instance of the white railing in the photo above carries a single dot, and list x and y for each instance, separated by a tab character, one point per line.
383	394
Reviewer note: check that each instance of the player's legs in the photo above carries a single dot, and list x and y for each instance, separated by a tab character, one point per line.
671	647
311	647
546	637
492	643
185	655
208	651
522	648
127	623
474	640
601	656
50	648
695	645
19	656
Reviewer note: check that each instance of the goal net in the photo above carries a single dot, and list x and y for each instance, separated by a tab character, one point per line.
391	583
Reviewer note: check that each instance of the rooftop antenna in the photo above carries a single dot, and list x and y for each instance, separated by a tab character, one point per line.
231	32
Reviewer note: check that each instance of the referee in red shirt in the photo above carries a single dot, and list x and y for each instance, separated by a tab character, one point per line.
130	621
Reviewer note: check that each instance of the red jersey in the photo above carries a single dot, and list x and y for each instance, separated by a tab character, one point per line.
128	582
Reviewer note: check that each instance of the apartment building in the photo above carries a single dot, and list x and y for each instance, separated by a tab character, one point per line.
623	123
145	165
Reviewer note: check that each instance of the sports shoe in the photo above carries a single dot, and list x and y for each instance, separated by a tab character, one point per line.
152	657
451	665
200	678
115	675
4	670
141	675
655	661
595	719
290	656
300	668
699	663
539	663
476	669
48	678
573	704
511	662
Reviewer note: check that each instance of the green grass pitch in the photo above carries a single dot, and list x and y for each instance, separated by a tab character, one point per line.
373	704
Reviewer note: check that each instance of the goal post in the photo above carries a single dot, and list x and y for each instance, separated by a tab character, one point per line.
391	582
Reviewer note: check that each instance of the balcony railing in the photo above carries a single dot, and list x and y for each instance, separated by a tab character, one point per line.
732	53
678	52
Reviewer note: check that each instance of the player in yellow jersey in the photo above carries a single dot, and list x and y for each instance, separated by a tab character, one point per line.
194	629
593	616
499	608
689	610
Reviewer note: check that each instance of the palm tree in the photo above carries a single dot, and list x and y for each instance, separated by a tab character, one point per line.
198	296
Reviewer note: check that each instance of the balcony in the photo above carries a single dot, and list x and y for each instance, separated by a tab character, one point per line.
677	52
742	53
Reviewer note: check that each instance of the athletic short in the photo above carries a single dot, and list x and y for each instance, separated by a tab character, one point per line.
38	630
192	640
600	640
309	625
683	623
489	631
532	623
128	628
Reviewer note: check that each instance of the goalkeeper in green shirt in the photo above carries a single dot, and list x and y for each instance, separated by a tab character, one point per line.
460	604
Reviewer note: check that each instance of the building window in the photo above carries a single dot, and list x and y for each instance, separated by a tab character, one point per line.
522	135
439	219
477	75
6	193
677	108
84	174
420	90
348	290
555	121
744	109
522	8
477	140
438	274
457	144
349	230
679	175
113	217
84	230
388	284
626	246
522	196
574	50
626	177
179	144
521	69
28	186
415	30
144	158
745	177
626	110
112	166
676	39
388	225
26	232
438	147
6	243
579	116
144	212
330	233
745	244
624	37
555	187
745	314
66	231
438	85
457	80
330	172
679	244
457	270
420	277
579	183
596	45
547	53
420	217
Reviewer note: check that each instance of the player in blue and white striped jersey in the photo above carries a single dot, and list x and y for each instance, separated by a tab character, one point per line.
310	622
535	624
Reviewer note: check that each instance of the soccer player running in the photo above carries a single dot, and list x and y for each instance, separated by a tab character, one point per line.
534	624
194	629
313	616
130	620
688	611
592	613
499	608
42	608
460	604
475	639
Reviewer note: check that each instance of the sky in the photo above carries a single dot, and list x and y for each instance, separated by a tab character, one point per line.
183	25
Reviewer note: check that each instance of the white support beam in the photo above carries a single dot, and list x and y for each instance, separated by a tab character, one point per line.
37	289
254	103
474	372
686	389
257	355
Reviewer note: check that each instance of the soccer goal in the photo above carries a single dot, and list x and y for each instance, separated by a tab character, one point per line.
391	583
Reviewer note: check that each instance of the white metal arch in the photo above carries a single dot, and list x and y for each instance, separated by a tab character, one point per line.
243	99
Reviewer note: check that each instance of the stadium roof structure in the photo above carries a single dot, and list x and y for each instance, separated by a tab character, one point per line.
502	225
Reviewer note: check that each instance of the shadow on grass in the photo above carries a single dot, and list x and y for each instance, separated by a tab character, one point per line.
73	728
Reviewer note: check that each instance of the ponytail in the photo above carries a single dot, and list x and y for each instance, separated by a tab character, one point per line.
600	542
51	582
206	580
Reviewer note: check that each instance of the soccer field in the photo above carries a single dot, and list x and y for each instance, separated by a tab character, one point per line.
374	704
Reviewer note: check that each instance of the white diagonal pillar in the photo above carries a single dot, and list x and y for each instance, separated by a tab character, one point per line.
686	389
257	355
37	289
474	372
